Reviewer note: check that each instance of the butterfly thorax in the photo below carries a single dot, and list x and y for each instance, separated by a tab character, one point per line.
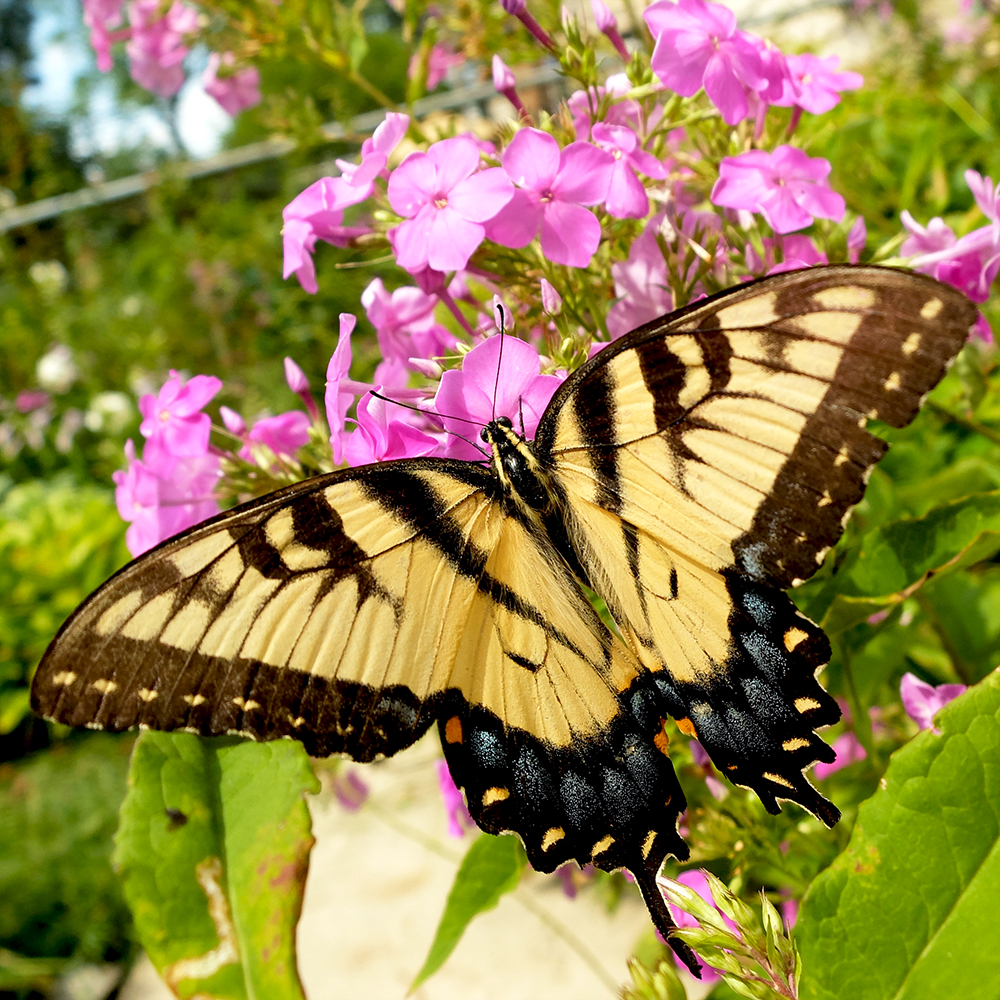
523	478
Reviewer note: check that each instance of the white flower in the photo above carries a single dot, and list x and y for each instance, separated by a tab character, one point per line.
56	370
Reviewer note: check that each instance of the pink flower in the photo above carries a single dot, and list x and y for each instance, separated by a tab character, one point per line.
698	45
553	185
235	91
386	431
30	400
350	789
519	9
607	24
459	819
505	83
440	59
786	187
315	214
583	103
923	701
405	324
446	202
712	783
795	251
818	83
339	398
156	49
375	153
283	434
159	502
100	16
173	423
551	299
232	421
626	198
641	283
848	749
475	393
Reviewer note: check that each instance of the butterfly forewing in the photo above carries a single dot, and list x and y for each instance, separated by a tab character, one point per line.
712	458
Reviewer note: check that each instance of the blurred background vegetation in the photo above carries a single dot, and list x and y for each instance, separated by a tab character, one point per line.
97	305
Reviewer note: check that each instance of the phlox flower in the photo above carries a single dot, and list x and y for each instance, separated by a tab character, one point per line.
607	24
698	45
489	385
156	49
817	83
923	701
338	397
626	198
445	202
848	749
375	153
641	283
553	186
100	16
583	104
519	9
173	424
717	789
350	789
787	187
405	325
456	810
440	59
283	434
315	214
796	252
237	89
386	431
299	384
159	502
504	82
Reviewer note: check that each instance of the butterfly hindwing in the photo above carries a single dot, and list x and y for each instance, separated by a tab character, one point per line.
712	458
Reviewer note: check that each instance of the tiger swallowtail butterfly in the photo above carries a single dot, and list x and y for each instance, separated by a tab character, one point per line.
689	474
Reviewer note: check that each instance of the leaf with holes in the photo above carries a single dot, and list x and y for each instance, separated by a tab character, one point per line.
213	850
908	911
491	868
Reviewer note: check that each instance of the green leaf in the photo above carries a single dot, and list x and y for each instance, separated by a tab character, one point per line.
895	559
908	911
213	850
491	867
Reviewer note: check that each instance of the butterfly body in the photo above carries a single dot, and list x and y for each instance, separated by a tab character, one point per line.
688	474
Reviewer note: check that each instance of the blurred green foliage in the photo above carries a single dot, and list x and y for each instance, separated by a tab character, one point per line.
59	897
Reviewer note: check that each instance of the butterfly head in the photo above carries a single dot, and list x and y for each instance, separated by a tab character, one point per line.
514	463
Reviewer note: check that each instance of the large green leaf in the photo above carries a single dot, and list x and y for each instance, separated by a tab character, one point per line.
213	849
909	910
491	867
893	560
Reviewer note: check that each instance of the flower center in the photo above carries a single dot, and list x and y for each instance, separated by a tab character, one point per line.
164	416
546	196
441	201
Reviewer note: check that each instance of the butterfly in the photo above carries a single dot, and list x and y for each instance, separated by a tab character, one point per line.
688	474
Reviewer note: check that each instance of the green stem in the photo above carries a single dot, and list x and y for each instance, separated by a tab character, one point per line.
966	422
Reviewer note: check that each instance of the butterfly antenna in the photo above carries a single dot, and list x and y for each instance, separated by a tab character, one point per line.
645	878
418	409
496	384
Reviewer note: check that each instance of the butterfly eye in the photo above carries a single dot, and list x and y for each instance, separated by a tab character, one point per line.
504	422
484	434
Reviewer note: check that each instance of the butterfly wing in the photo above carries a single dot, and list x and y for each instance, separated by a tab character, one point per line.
710	459
351	611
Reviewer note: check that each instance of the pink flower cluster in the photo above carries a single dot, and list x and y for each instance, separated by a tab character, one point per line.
970	262
699	46
172	487
158	38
